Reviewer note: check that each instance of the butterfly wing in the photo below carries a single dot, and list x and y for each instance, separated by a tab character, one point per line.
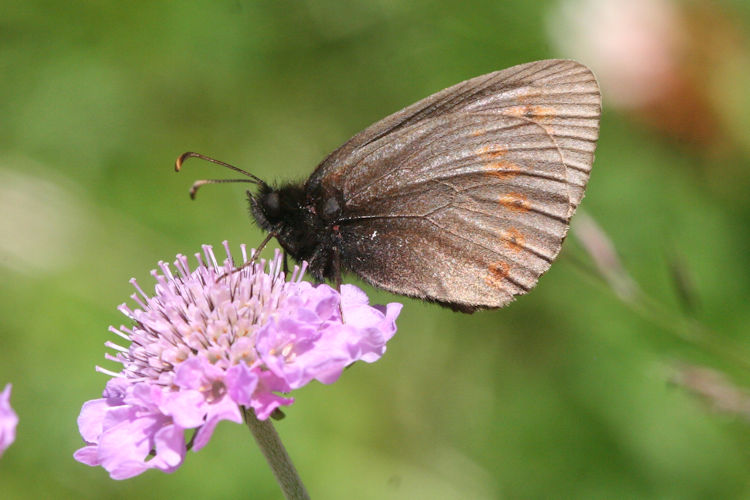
465	197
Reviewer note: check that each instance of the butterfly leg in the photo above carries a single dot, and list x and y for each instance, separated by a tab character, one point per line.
262	246
336	273
254	257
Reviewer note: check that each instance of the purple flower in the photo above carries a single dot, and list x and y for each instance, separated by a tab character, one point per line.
214	339
8	420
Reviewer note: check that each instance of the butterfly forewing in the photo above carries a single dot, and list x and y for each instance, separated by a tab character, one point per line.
465	197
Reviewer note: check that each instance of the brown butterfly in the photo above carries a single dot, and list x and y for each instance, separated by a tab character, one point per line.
463	198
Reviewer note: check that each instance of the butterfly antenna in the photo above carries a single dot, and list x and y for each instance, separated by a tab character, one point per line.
197	184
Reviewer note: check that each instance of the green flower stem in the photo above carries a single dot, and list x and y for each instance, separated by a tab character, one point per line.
276	456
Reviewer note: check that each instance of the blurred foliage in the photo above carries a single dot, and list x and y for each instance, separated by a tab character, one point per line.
566	393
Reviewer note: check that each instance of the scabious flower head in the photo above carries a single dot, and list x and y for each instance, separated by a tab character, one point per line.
213	339
8	420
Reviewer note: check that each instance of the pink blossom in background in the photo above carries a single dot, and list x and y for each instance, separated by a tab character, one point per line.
213	339
632	46
680	68
8	420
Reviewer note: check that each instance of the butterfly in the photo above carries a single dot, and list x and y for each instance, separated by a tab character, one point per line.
463	198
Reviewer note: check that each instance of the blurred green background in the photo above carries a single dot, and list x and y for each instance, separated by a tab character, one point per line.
570	392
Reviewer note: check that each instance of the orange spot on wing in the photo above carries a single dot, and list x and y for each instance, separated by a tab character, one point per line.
513	239
516	202
516	111
531	112
479	132
492	152
502	169
496	273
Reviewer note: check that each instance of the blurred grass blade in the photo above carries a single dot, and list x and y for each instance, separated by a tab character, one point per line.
602	251
714	388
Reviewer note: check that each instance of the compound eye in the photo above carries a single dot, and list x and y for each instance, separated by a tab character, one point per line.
271	205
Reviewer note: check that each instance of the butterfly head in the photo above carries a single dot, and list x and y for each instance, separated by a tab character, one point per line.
275	208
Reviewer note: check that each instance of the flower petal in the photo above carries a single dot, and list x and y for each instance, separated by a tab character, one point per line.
211	340
8	420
